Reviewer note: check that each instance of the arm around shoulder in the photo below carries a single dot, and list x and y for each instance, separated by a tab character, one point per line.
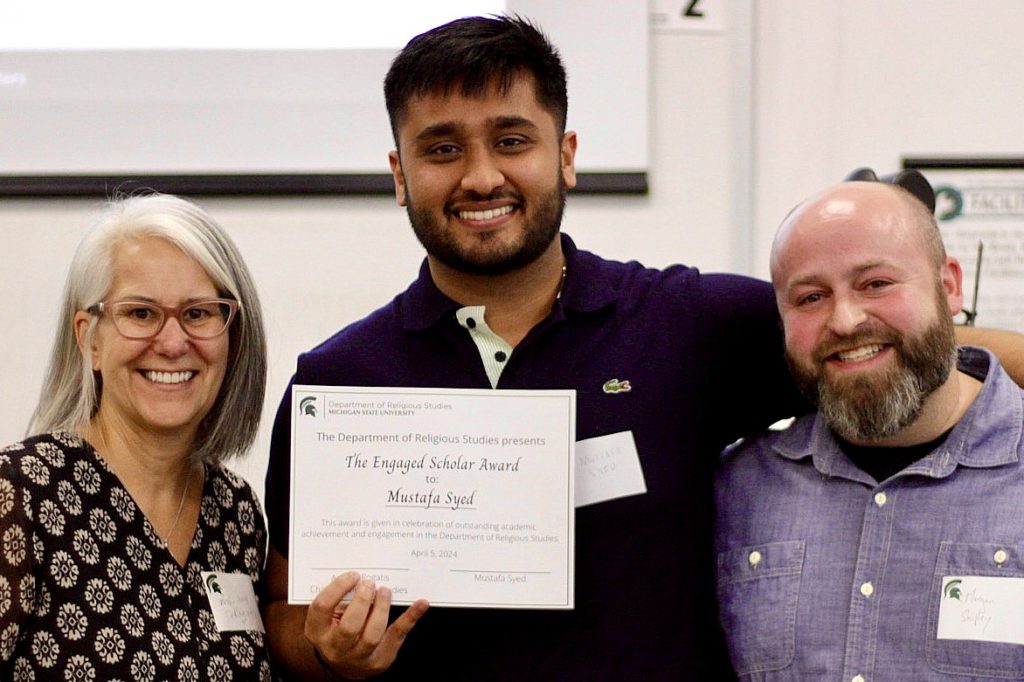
1006	345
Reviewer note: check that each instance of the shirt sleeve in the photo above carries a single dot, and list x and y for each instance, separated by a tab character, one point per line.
744	342
278	481
17	583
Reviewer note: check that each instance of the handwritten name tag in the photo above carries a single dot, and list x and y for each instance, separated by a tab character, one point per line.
608	467
233	601
982	608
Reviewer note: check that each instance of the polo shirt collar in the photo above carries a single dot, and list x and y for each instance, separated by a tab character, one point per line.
988	435
423	304
586	289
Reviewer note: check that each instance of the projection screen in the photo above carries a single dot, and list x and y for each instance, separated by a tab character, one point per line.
229	97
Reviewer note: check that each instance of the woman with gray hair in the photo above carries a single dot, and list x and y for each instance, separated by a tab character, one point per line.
126	550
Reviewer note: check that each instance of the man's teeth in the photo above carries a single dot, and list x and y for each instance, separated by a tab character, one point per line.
485	215
169	377
862	353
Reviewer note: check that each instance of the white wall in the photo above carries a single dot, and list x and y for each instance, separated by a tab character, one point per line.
790	97
841	84
323	262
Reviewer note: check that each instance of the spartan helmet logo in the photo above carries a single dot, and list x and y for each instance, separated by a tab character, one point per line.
212	586
307	406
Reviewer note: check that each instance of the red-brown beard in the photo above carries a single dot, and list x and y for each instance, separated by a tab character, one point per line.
874	405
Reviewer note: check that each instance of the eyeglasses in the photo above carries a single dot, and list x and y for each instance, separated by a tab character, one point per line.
141	320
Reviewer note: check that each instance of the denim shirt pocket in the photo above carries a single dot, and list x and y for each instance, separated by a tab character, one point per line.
968	657
758	587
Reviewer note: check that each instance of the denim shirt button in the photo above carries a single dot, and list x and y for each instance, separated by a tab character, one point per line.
867	589
754	558
1000	556
880	499
858	678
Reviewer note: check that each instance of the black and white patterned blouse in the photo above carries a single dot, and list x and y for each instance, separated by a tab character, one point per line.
88	592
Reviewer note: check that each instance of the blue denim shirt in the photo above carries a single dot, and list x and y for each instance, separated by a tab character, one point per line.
826	574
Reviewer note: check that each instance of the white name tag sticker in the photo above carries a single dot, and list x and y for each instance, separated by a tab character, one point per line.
233	601
982	609
608	467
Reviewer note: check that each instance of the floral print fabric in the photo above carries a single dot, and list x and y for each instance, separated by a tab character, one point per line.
89	592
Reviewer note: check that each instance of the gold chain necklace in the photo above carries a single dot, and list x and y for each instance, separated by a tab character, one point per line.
100	440
181	505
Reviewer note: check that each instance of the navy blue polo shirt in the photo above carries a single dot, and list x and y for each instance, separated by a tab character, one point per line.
703	356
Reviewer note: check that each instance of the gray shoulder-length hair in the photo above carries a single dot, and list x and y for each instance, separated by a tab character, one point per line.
72	392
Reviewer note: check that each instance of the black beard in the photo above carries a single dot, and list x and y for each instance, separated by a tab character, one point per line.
865	409
536	239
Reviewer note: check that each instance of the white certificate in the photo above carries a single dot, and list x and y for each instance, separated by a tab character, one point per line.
462	497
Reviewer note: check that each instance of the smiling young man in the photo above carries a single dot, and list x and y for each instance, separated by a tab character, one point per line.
681	362
684	362
838	537
483	178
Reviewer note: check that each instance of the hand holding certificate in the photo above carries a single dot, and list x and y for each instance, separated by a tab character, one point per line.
463	497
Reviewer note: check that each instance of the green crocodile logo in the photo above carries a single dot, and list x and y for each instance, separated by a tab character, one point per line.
616	386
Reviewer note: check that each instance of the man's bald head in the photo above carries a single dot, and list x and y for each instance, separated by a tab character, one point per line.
873	200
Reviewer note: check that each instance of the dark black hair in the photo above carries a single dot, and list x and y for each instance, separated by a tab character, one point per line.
476	53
